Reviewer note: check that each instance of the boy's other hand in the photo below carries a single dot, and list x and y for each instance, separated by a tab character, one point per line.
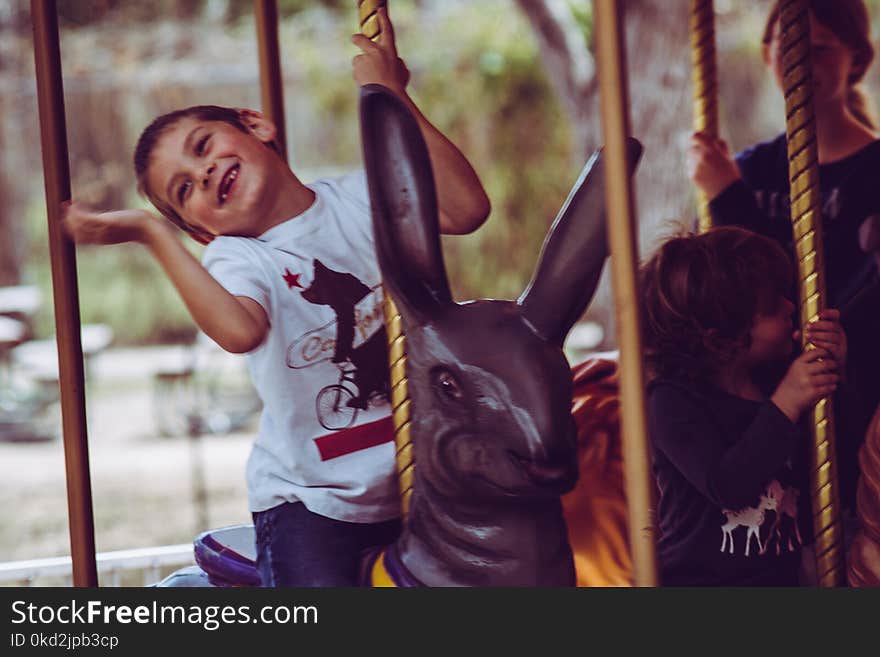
809	378
710	165
379	62
827	333
85	226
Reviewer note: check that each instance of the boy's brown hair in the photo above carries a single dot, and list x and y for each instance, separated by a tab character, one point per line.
150	137
700	295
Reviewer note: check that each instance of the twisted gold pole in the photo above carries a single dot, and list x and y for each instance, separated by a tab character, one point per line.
400	404
705	85
803	175
367	17
614	97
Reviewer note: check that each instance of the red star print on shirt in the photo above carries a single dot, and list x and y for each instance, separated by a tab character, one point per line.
292	280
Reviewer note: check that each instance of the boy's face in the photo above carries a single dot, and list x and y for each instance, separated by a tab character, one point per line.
772	334
216	177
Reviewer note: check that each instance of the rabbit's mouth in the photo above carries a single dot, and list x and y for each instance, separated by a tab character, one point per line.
544	474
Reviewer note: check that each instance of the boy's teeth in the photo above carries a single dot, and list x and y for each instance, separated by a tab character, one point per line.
227	183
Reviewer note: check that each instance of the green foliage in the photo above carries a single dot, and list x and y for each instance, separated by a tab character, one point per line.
583	14
79	13
238	9
489	93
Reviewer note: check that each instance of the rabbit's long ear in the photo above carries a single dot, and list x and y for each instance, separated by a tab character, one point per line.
404	204
573	254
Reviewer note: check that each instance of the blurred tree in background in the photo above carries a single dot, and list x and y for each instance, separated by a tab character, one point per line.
512	82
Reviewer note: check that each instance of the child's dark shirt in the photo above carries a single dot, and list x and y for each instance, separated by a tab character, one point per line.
728	504
760	202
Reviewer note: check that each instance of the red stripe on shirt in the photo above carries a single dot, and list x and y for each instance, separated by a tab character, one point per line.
345	442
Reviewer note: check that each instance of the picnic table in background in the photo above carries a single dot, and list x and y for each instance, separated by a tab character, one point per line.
29	368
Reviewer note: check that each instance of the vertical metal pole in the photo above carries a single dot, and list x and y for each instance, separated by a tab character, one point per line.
367	19
806	218
50	99
400	402
271	88
614	98
704	75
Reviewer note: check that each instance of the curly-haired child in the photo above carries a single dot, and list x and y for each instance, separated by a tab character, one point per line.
724	439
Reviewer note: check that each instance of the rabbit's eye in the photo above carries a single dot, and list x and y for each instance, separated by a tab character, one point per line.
447	385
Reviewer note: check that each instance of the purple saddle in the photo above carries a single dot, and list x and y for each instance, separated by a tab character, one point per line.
228	556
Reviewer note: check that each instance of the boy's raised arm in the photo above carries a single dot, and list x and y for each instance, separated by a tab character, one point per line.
237	324
463	204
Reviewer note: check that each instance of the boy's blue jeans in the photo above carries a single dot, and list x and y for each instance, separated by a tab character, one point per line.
298	548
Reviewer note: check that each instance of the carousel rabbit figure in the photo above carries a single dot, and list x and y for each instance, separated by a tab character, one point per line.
490	387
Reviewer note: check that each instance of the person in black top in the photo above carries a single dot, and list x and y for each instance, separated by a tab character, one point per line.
715	314
752	190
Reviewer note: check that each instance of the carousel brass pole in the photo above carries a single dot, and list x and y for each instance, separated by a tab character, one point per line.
271	88
367	19
806	219
50	100
400	403
705	84
608	26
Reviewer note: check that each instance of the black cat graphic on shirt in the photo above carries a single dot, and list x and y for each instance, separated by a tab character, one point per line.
342	292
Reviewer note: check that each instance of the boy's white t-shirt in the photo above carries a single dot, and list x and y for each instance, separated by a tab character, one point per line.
317	278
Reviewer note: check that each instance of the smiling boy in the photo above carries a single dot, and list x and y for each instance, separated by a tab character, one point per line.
289	265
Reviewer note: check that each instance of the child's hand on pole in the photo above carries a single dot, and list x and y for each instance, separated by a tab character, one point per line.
710	165
379	62
812	376
827	333
85	226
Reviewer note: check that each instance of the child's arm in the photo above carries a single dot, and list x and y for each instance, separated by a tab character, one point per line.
237	324
461	199
710	165
731	201
732	475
